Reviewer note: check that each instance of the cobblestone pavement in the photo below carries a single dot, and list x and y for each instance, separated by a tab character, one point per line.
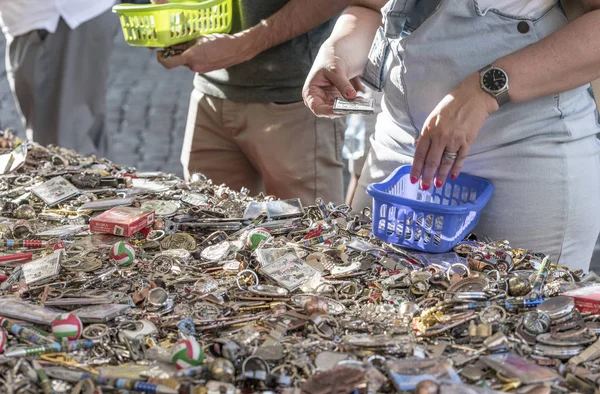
146	111
8	113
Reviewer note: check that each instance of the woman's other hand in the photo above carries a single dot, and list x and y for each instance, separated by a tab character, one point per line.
328	80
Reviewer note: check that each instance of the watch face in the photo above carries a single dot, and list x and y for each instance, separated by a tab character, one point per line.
495	80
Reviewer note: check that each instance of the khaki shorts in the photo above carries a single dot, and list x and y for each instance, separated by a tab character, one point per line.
284	150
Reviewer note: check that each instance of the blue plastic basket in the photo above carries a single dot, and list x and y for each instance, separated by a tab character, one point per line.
432	221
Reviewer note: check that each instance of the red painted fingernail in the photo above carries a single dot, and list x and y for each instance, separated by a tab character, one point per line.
438	183
425	186
413	179
453	176
351	92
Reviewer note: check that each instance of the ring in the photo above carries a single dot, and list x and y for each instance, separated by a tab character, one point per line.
95	331
461	265
450	156
155	235
246	271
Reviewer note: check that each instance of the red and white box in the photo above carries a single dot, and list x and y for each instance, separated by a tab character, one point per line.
123	221
587	299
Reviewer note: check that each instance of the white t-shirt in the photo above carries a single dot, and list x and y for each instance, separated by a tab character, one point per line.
18	17
525	8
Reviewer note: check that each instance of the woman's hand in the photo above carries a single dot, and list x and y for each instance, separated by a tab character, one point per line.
328	80
449	132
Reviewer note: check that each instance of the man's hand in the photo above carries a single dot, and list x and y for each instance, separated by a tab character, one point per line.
211	52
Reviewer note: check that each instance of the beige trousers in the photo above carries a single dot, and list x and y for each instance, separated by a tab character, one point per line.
284	150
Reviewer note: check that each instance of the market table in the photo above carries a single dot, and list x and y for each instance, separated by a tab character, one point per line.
117	280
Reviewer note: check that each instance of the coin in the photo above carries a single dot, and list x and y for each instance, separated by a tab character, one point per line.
492	314
181	255
87	264
162	263
24	212
550	340
72	263
179	241
518	286
216	252
560	352
593	327
537	322
157	297
194	199
557	307
467	284
160	207
5	231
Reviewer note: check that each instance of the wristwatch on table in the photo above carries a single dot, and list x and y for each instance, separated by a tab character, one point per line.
494	80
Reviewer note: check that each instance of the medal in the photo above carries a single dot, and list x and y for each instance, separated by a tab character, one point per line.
179	241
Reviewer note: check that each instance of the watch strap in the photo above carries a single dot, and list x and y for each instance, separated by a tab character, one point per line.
503	97
484	68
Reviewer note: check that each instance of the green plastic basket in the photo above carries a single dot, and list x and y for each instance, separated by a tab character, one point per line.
164	25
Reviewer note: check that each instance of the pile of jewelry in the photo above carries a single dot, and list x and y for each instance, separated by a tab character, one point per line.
114	280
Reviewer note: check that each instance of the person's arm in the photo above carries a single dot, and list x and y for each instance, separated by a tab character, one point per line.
296	18
565	60
343	57
218	51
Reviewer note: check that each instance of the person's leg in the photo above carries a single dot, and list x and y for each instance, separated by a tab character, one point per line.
352	185
583	225
583	222
73	94
209	148
22	67
357	165
386	153
297	154
59	82
546	197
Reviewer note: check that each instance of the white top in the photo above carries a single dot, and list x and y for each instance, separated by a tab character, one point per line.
18	17
524	8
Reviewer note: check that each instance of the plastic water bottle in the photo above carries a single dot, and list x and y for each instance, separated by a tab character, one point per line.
354	145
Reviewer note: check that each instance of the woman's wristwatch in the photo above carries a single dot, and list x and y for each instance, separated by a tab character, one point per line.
494	80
